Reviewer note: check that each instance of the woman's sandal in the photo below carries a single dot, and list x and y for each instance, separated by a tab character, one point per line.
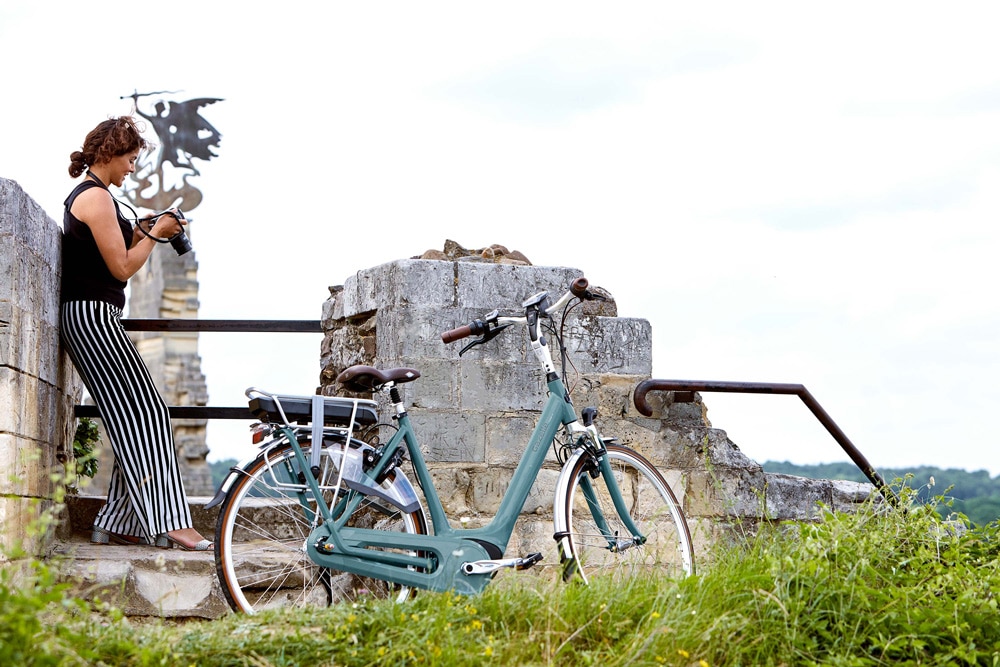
164	541
104	536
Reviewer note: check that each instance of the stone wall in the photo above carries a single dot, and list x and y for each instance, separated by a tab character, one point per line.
38	387
473	414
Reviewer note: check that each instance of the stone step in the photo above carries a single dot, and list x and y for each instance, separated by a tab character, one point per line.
138	580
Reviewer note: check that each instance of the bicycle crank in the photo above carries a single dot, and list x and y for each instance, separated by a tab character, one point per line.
488	566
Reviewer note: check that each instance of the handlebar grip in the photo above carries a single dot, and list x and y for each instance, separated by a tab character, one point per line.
456	334
579	288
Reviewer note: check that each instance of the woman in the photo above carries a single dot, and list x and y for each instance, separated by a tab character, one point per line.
146	500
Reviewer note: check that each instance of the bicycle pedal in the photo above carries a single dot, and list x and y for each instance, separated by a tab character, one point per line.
488	566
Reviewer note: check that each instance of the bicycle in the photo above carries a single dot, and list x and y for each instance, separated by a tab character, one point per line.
321	516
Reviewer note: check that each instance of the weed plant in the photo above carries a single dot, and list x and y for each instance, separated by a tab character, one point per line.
880	586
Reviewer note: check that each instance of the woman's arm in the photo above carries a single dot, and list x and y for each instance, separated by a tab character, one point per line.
96	209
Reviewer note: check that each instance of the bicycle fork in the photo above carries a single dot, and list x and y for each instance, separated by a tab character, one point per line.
616	542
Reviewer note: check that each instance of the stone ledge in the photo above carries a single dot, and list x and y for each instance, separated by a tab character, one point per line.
141	580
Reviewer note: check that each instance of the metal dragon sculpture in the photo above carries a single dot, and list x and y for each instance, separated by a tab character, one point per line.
161	177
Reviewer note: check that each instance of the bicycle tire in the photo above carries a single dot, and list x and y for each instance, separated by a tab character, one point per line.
654	508
262	529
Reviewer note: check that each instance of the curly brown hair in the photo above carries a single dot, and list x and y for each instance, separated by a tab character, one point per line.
111	138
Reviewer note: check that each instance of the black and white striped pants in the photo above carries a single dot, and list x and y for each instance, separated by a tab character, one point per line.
146	494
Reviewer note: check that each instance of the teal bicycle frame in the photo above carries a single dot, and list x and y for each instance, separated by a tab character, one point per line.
438	561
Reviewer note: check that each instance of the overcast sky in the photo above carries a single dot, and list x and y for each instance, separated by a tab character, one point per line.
787	192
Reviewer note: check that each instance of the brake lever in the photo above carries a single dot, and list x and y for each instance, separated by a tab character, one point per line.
488	335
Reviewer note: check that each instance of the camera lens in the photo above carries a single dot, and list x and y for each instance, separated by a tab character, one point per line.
181	243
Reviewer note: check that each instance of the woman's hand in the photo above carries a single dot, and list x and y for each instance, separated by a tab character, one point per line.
168	224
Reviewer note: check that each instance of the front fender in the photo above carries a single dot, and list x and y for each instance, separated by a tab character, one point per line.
561	497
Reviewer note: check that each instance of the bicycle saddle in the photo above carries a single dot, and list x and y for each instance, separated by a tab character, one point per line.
368	378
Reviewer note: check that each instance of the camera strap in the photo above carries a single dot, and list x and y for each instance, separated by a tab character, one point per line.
135	216
150	236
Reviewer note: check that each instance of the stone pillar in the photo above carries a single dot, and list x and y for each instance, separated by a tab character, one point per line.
38	387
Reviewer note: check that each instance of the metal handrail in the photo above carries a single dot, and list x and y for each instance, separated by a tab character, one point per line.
241	326
254	326
646	386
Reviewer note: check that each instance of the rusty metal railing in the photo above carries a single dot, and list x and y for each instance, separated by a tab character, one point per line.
685	393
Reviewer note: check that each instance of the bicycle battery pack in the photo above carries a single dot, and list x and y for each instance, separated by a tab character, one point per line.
336	411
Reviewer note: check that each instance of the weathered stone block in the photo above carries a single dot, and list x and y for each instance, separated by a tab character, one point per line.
725	492
499	387
507	438
26	223
453	484
488	286
790	497
344	347
144	582
28	406
701	448
425	284
490	486
450	436
28	343
611	345
25	464
333	307
437	386
610	393
168	593
19	515
533	534
846	496
413	332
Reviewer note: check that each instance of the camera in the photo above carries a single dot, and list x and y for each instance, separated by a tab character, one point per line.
180	241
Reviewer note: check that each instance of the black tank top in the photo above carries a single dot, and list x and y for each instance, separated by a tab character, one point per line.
85	275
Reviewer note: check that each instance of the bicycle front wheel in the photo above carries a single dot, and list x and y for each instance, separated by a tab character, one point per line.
265	521
600	544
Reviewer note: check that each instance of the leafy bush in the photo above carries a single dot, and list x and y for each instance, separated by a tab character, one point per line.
84	441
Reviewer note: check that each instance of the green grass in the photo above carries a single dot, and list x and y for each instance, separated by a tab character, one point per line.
880	587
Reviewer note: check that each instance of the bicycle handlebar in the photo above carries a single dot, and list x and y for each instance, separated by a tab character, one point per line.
463	332
577	288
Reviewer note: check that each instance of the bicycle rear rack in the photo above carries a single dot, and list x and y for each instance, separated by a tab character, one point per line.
684	393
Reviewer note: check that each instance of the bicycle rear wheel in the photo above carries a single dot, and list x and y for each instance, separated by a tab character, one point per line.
597	552
263	525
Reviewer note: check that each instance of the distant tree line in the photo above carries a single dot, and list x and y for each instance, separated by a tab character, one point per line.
974	494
